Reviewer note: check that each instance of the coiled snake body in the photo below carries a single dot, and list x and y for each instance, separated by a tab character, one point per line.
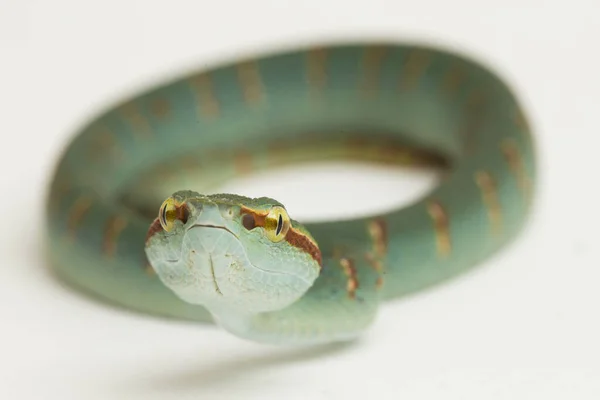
128	219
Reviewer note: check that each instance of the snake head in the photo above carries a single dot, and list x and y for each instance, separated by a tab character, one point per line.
229	252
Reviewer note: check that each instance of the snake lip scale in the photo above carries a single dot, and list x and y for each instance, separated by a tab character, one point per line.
132	184
215	227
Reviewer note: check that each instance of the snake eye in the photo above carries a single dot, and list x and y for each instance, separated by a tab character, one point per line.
277	224
169	212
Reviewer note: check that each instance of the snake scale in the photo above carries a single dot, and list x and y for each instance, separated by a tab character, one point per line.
129	218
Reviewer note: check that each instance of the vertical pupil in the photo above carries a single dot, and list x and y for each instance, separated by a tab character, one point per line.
163	215
279	225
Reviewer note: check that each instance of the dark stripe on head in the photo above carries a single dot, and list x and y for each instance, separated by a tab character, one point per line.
154	227
294	237
301	241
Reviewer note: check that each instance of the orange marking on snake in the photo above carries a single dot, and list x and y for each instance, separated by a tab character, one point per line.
379	234
250	81
416	63
208	105
114	227
453	79
373	58
441	225
103	145
350	271
489	193
377	265
515	163
79	209
131	113
316	69
160	107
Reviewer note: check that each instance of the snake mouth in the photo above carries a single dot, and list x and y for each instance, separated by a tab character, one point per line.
176	260
213	226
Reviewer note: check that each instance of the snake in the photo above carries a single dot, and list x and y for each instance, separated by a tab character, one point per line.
134	216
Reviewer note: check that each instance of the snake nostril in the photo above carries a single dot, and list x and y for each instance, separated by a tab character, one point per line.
227	212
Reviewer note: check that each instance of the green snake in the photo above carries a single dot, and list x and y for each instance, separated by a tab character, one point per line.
130	220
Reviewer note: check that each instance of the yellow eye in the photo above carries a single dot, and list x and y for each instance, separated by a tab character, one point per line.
169	212
277	224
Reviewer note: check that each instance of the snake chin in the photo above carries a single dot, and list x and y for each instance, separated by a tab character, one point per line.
215	271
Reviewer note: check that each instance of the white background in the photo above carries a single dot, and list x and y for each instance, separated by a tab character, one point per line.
524	326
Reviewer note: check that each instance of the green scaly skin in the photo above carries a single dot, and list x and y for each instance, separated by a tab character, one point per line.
390	103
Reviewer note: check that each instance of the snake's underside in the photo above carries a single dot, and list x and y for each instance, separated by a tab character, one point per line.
129	218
